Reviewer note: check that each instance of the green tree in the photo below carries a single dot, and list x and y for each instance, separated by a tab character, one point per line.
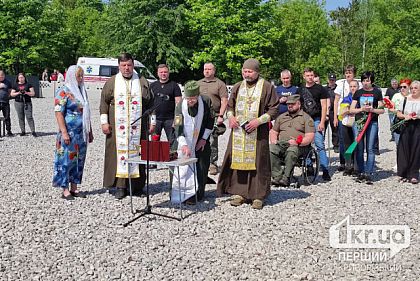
379	35
153	31
395	46
19	34
305	37
227	32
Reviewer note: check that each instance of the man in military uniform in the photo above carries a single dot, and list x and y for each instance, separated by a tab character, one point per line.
193	126
291	136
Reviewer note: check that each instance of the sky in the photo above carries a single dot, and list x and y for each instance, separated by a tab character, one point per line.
334	4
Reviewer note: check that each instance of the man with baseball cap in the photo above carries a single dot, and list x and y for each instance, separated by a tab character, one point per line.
294	131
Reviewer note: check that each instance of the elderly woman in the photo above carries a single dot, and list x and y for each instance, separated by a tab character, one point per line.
397	99
22	92
73	117
408	149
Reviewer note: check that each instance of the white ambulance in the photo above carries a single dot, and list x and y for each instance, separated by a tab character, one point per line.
99	70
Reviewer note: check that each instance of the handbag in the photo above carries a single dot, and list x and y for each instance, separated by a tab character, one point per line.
348	120
399	129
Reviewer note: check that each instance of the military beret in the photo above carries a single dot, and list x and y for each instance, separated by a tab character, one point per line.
191	89
293	98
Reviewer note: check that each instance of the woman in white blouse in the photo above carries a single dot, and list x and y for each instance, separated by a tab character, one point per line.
408	149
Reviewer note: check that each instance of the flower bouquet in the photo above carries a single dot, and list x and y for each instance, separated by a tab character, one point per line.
353	146
399	126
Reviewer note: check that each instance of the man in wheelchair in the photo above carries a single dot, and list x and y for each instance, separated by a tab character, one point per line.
290	138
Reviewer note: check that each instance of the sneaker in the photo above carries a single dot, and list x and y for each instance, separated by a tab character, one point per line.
275	181
341	168
9	134
213	170
34	134
120	193
257	204
326	176
368	179
284	181
348	172
237	200
360	178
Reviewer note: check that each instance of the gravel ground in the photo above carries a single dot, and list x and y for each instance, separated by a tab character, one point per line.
46	238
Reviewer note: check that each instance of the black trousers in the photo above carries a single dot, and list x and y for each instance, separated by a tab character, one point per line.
5	108
334	130
167	125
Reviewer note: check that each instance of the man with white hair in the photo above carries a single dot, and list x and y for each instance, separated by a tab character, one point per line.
246	171
285	90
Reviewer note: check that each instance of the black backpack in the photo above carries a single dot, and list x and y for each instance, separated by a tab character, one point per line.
309	105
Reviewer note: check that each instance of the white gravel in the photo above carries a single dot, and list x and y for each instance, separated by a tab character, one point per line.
43	237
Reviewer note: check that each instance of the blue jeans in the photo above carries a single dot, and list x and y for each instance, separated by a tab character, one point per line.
391	119
320	146
370	137
394	134
396	138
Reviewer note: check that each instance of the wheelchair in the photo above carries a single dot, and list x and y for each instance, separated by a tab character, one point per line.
308	163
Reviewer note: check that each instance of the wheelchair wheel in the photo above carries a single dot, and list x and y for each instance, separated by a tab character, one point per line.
310	166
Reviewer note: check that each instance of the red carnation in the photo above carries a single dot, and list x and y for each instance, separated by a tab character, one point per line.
134	127
388	103
122	127
413	114
122	157
299	139
135	102
121	102
72	155
156	137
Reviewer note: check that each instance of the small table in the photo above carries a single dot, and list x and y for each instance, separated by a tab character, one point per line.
171	165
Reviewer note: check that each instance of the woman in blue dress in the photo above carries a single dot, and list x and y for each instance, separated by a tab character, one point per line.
73	117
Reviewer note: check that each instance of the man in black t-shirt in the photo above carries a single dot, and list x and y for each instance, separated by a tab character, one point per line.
167	93
330	112
320	96
5	89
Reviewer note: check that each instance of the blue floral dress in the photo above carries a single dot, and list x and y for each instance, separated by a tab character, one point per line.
69	160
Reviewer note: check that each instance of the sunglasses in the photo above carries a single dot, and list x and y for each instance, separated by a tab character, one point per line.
404	87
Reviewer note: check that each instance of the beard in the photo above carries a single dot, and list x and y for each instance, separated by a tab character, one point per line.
293	111
250	80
